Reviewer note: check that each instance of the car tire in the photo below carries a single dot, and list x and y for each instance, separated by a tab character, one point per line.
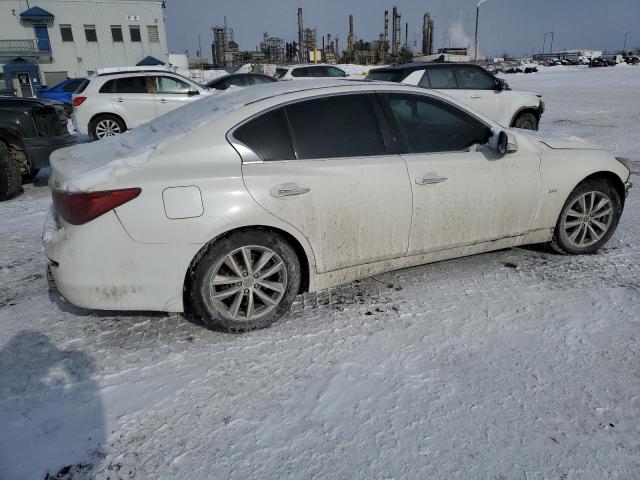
588	218
526	121
106	125
258	276
10	175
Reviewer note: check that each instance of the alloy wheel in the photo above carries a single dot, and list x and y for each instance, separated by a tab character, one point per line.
248	283
107	128
588	219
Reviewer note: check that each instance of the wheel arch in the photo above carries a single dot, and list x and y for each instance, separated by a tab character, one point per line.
610	177
106	114
303	258
522	110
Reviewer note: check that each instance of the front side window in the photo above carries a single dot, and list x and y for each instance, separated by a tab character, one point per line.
90	33
429	125
171	85
334	72
66	33
443	78
152	33
134	32
280	72
131	85
268	136
334	127
116	33
475	79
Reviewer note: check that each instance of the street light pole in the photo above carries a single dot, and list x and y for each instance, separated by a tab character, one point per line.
544	41
625	41
551	43
477	15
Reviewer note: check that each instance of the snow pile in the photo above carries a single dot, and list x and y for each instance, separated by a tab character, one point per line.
209	75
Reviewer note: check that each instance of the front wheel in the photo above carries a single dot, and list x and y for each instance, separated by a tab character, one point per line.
106	126
527	121
588	219
245	281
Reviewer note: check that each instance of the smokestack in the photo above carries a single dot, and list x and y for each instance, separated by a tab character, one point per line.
394	32
406	35
301	49
476	49
427	35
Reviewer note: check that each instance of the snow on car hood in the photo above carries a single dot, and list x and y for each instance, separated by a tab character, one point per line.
561	141
85	166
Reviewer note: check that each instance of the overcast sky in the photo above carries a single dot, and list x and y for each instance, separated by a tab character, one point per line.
517	26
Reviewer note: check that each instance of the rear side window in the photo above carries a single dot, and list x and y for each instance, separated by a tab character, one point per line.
429	125
83	86
108	87
72	86
334	127
131	85
268	136
442	78
258	79
300	72
475	79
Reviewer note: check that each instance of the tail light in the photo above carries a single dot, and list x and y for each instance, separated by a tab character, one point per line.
80	208
77	101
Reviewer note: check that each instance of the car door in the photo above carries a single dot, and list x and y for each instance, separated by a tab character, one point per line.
482	92
172	92
443	79
462	194
326	168
133	100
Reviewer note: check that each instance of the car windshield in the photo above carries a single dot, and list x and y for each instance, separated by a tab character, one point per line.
388	75
280	72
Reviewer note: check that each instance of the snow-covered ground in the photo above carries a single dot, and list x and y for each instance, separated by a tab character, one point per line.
518	364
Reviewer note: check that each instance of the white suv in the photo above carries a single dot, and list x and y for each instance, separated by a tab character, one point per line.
107	104
472	85
301	72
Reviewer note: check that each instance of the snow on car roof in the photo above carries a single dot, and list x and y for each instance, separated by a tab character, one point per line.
82	166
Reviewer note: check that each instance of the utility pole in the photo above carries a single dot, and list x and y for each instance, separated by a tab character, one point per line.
551	43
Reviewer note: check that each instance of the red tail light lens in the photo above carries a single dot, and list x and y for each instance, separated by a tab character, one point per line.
77	101
80	208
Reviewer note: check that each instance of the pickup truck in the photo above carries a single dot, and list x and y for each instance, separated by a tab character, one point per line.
30	129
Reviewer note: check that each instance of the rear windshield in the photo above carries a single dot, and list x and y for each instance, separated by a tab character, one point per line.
82	86
280	72
388	75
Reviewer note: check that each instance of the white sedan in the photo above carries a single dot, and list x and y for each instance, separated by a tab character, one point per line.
234	204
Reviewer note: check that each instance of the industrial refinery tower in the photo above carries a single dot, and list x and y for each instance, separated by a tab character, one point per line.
427	35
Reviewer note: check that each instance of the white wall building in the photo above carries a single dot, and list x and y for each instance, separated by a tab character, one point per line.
47	41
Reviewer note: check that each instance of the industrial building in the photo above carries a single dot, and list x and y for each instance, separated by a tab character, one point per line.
47	41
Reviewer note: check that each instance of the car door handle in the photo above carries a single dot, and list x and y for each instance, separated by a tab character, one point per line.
430	180
163	100
120	99
288	190
475	96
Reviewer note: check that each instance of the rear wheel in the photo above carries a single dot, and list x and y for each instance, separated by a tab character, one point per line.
527	121
10	175
106	126
245	281
588	219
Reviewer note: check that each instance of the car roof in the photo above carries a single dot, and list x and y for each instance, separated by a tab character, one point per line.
417	66
310	65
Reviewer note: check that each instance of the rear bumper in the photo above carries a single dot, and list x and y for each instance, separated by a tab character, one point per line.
39	148
98	266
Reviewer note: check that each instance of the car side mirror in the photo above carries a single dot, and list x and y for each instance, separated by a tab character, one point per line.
191	93
501	85
506	143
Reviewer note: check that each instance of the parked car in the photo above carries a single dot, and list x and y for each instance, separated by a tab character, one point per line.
472	85
301	72
63	91
30	129
599	62
239	80
110	103
235	204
